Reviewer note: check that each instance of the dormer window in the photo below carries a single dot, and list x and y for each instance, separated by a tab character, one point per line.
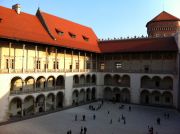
59	32
85	38
72	35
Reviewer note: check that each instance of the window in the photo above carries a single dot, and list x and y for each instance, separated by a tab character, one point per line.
118	65
59	32
102	66
7	63
46	66
72	35
10	63
38	64
77	65
85	38
55	65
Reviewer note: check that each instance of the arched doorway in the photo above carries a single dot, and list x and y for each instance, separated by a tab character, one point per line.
60	82
125	93
29	84
15	107
16	85
59	99
29	107
82	96
40	103
50	102
117	94
93	93
75	96
156	98
108	79
40	83
108	94
145	97
167	99
50	82
88	94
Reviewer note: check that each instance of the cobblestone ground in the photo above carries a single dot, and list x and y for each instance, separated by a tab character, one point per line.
137	121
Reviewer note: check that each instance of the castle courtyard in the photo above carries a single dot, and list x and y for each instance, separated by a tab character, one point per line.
137	121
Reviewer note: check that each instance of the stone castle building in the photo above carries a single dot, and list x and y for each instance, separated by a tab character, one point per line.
47	63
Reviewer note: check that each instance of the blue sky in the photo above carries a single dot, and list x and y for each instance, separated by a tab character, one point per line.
108	18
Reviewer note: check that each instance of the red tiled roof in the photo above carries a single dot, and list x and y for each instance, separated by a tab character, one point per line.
139	45
28	27
164	16
70	28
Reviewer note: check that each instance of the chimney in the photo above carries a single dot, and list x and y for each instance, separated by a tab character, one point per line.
17	8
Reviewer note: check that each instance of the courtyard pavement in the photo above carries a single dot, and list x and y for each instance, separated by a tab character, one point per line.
137	121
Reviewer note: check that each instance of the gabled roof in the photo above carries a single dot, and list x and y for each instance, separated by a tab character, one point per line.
74	35
164	16
139	45
29	28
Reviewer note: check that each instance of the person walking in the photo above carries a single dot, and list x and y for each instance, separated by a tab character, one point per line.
94	117
85	130
81	132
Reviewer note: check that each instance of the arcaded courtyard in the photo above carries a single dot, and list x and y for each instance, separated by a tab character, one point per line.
137	121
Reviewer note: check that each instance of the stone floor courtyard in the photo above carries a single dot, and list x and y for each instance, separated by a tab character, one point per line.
137	121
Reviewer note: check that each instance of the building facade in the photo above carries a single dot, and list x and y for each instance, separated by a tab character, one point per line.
47	63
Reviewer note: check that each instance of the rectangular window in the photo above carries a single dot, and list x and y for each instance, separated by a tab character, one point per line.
77	65
12	63
118	65
38	64
102	66
7	63
57	65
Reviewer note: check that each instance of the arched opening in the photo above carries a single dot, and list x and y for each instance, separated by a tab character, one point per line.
107	79
40	103
145	97
88	94
156	98
75	96
88	79
125	93
60	82
93	93
167	99
29	107
93	79
75	80
108	94
16	85
40	83
82	96
125	81
146	82
59	100
15	107
82	80
167	83
116	80
117	94
50	102
156	82
50	82
29	84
